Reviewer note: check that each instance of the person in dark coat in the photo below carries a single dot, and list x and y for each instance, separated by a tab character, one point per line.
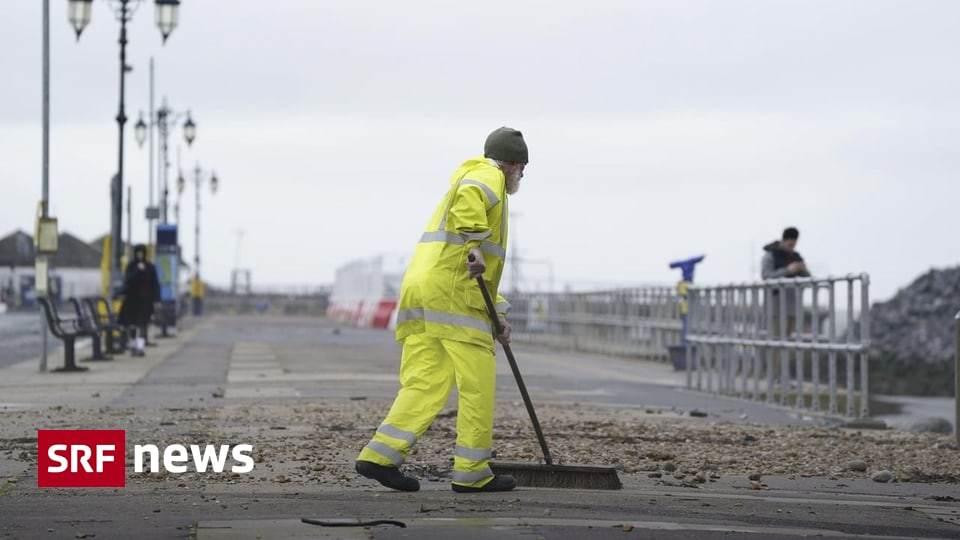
141	292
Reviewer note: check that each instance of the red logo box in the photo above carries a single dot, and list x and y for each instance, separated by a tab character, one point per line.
81	458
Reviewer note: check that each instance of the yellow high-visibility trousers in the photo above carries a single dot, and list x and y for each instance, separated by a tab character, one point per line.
428	369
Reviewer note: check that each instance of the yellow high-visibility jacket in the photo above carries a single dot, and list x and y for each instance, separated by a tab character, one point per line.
437	296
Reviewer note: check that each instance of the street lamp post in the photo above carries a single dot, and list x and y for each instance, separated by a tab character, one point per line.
167	16
165	116
196	291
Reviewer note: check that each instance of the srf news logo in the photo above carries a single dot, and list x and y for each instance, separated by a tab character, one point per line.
97	458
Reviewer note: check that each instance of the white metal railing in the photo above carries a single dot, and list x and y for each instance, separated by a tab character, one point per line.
636	322
772	340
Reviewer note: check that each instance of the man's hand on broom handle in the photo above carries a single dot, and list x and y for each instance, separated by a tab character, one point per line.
475	264
475	268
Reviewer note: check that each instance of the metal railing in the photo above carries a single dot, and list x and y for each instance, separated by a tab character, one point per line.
772	340
637	322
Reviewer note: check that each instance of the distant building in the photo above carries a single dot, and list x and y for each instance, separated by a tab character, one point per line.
74	269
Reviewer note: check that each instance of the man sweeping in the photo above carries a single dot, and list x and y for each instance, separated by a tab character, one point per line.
443	325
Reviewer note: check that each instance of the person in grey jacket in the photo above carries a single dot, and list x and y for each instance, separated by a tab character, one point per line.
782	260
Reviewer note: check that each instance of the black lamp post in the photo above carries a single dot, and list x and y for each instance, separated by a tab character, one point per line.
165	116
198	179
78	14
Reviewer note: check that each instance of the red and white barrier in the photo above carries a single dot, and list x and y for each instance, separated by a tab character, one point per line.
364	294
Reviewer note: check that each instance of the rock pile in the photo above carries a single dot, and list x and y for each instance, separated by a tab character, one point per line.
913	336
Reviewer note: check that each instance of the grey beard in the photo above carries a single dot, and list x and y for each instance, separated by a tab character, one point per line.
513	185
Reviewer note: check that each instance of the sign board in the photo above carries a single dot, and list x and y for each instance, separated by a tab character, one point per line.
153	212
167	263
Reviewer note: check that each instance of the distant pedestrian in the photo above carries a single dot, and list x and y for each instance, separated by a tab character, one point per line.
141	294
782	260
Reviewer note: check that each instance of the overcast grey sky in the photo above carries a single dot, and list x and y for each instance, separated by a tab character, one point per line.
657	130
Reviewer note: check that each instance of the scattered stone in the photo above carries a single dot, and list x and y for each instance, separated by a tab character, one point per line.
865	423
882	476
655	475
698	414
627	528
748	438
755	485
700	477
219	393
857	465
95	395
669	466
933	424
754	477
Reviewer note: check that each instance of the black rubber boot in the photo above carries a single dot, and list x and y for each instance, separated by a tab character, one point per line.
499	483
390	477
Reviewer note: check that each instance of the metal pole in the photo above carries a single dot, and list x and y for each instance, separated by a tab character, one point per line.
46	159
832	358
783	351
755	335
689	317
771	336
956	382
116	233
798	332
865	342
129	222
815	353
850	357
151	125
196	229
162	119
176	205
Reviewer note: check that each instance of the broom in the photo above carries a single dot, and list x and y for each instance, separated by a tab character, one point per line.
545	474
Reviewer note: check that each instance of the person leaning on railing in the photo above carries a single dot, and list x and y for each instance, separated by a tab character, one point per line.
782	260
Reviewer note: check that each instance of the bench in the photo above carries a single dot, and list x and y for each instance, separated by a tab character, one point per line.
87	320
67	330
106	323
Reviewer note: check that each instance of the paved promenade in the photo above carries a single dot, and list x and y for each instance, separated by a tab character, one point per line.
306	394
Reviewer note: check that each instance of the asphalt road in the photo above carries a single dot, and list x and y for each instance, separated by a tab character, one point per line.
20	338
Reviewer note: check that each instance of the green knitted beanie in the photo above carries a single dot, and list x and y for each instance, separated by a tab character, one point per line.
506	144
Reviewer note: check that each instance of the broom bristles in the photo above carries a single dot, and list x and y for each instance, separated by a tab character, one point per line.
560	476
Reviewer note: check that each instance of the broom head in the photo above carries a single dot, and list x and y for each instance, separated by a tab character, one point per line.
559	476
